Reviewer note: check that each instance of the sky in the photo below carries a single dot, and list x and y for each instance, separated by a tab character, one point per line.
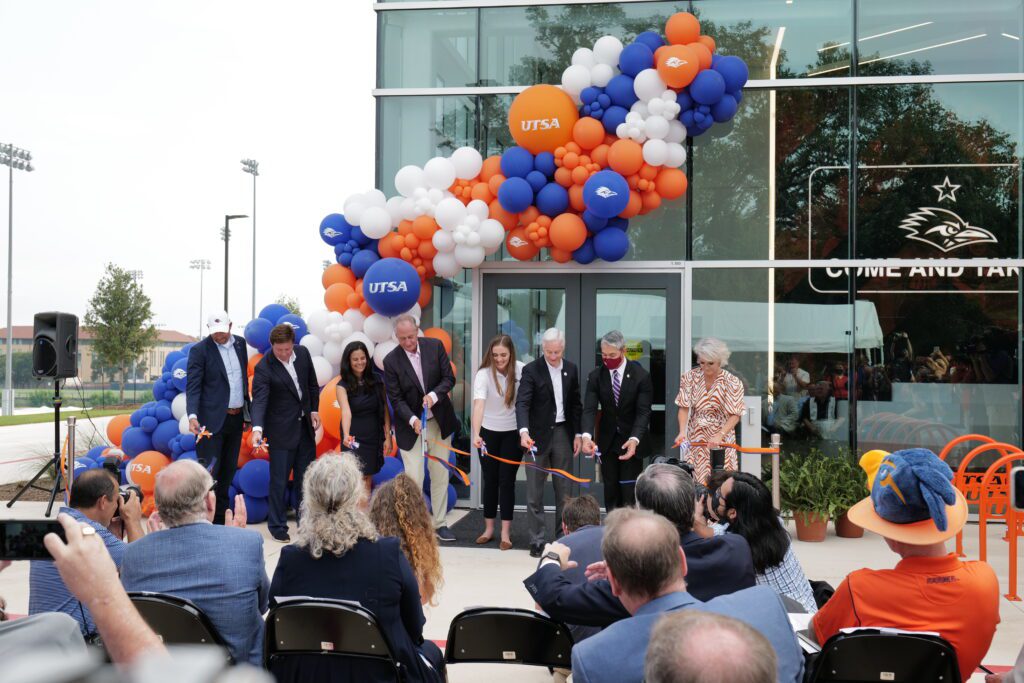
137	115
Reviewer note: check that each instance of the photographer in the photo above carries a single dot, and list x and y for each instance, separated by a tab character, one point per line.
97	501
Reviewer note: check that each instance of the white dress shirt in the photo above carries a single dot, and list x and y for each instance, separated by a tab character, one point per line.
556	384
290	367
497	416
416	360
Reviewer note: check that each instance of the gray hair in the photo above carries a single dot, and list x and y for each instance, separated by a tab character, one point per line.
614	338
691	646
667	490
642	552
552	335
712	349
181	490
407	318
331	518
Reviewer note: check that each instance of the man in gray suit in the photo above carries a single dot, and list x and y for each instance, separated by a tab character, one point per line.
219	568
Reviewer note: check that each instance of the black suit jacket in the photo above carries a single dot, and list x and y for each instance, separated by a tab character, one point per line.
535	401
631	417
276	406
406	393
206	387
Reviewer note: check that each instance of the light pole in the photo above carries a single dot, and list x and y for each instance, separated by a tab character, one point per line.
253	168
21	159
200	264
225	234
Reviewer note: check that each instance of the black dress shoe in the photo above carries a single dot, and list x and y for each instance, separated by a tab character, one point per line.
536	550
281	537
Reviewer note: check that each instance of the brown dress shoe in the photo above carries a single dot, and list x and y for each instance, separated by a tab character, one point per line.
482	539
505	545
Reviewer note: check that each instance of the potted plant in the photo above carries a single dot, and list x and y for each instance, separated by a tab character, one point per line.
806	483
850	487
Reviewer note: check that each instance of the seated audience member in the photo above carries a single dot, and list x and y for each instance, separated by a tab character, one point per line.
914	506
745	508
337	554
781	415
219	568
717	566
690	646
96	501
818	412
646	570
397	510
581	526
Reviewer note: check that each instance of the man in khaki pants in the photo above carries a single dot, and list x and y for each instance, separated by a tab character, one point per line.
418	375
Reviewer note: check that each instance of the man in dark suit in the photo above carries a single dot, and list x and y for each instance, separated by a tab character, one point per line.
217	400
548	409
418	376
285	399
623	391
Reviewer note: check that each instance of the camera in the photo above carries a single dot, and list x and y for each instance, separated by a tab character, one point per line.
126	490
712	498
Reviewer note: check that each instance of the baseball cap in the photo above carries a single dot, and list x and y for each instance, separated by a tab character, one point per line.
912	499
218	322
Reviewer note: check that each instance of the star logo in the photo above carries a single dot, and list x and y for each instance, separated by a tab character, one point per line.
943	229
947	190
675	62
606	192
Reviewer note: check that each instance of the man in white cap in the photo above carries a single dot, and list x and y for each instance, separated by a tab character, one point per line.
217	400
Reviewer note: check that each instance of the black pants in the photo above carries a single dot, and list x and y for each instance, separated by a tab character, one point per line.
613	471
284	461
499	477
221	450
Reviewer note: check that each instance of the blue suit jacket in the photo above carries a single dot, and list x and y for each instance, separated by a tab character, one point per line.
616	655
276	406
218	568
206	386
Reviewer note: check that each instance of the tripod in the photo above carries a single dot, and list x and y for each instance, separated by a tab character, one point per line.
58	477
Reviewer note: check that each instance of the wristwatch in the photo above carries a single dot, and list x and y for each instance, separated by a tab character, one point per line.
551	555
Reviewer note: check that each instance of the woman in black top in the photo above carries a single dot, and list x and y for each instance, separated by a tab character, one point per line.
364	412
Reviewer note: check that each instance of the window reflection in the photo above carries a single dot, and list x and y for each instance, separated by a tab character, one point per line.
428	48
524	314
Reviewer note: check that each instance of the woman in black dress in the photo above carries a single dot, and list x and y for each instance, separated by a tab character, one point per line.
364	412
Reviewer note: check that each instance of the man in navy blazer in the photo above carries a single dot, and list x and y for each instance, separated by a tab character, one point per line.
217	401
647	569
285	401
219	568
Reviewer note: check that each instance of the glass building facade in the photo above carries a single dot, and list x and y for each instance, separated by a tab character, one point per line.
853	235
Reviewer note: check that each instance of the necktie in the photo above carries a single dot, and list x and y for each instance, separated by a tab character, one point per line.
615	386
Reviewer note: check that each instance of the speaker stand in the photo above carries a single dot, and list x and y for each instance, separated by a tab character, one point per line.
54	463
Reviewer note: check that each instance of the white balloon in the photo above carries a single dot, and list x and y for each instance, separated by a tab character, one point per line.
655	127
337	332
445	264
601	74
313	344
450	212
355	318
415	312
333	351
408	179
250	351
381	352
676	155
353	208
375	222
655	152
358	337
575	78
394	208
469	256
477	209
316	322
607	50
443	241
492	234
584	56
375	198
183	427
408	209
322	369
648	84
656	106
676	131
440	173
468	162
178	406
377	327
333	318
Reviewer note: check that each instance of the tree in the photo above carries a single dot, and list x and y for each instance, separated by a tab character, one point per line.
120	319
289	302
22	369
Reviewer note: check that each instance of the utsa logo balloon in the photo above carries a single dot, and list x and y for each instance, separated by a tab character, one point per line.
540	124
541	118
381	287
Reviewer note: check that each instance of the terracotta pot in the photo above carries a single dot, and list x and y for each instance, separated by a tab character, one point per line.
810	526
847	529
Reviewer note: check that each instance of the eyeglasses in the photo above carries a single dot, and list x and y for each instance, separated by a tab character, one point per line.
213	487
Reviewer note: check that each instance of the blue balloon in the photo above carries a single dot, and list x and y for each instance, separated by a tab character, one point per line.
136	440
362	260
159	388
619	223
135	419
724	109
515	195
606	194
163	411
552	200
545	163
360	238
585	254
254	478
188	442
684	101
634	58
537	180
391	286
686	118
391	469
179	375
613	116
257	331
650	39
334	229
191	455
149	423
96	452
620	90
589	94
175	444
187	348
256	509
593	223
611	245
733	71
297	324
163	434
272	312
170	394
452	497
737	95
173	357
516	162
708	87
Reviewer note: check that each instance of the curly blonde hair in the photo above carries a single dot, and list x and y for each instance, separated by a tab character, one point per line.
331	519
397	509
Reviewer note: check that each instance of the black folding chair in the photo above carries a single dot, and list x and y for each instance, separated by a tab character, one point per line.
176	621
872	655
508	636
309	630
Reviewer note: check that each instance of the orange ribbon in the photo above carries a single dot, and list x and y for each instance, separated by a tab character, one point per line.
736	447
552	470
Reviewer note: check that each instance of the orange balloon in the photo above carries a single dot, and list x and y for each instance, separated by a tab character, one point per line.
580	175
626	157
541	118
708	42
648	172
563	176
568	232
634	206
384	246
491	167
244	455
423	228
507	220
354	300
327	444
116	427
253	362
426	291
426	250
455	370
336	297
671	183
519	245
441	336
599	155
495	183
148	506
588	133
576	198
678	65
651	201
682	28
560	255
529	215
482	192
404	228
365	309
330	410
143	468
703	54
337	273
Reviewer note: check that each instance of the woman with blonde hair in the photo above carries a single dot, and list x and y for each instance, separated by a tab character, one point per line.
338	554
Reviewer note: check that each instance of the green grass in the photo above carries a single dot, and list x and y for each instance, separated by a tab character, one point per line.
7	421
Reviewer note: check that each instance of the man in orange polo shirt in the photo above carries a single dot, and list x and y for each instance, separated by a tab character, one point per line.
914	506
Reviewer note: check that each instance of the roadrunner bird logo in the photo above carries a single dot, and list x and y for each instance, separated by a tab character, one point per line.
943	229
517	241
331	232
605	192
675	62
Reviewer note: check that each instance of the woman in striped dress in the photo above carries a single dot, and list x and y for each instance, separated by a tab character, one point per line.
710	404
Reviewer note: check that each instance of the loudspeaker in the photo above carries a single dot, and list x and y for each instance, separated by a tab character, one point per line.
55	345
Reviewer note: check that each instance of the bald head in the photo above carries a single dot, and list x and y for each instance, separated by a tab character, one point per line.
690	646
643	555
182	493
